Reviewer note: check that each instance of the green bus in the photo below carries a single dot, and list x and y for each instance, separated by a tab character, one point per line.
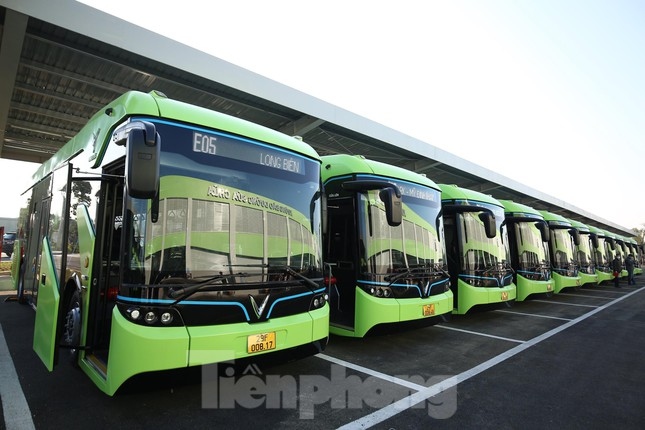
384	247
528	236
636	251
165	235
477	249
584	253
611	237
623	250
620	246
602	254
563	238
615	250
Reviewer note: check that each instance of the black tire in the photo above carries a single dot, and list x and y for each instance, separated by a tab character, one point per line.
71	335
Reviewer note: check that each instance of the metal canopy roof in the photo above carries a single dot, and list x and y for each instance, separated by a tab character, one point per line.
62	61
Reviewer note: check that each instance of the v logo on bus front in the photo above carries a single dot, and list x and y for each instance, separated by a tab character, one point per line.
259	310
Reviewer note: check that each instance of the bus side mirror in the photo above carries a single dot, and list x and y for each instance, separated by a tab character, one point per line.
489	224
389	194
325	212
575	234
142	163
594	240
393	207
544	231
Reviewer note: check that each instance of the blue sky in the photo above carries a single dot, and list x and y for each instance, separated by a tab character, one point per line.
548	93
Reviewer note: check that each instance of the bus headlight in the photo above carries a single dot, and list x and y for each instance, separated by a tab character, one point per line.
319	300
381	292
134	313
166	318
150	317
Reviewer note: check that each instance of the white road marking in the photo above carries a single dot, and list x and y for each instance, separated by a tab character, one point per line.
565	304
17	415
479	333
371	372
532	315
408	402
586	295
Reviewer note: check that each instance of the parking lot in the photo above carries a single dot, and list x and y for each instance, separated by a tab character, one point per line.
574	360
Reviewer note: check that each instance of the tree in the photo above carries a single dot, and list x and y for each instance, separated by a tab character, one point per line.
81	191
639	233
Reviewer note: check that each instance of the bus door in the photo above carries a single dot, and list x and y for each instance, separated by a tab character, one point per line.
107	267
46	258
452	252
342	254
37	229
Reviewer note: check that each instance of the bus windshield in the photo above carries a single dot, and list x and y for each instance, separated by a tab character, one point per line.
230	207
601	254
480	253
563	247
415	244
584	254
533	251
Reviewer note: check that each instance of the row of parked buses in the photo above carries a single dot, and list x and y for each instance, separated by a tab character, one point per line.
165	235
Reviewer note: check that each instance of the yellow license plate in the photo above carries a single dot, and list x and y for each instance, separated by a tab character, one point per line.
428	310
260	342
549	287
504	295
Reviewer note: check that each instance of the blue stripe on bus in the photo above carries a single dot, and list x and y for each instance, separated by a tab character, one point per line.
385	284
185	302
281	299
497	280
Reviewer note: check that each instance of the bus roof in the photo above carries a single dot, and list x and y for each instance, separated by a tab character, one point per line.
599	232
520	210
555	220
581	227
95	136
469	197
343	164
609	234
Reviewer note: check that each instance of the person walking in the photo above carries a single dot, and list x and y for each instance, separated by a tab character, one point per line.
617	267
630	263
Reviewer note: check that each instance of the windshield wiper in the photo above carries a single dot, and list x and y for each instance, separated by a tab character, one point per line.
182	292
418	271
290	271
496	269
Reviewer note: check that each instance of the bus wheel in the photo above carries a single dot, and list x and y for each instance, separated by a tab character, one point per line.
72	327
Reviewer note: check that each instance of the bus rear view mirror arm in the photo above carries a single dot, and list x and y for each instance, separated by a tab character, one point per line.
142	157
390	194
